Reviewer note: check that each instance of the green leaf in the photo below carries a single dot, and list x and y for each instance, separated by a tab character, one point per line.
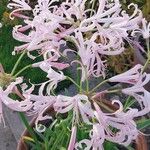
110	146
129	102
144	123
62	148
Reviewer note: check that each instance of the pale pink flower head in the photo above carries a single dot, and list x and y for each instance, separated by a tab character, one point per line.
140	94
97	137
50	60
18	5
53	76
123	122
14	104
91	62
79	104
20	106
124	134
106	42
40	104
52	83
131	76
144	30
46	65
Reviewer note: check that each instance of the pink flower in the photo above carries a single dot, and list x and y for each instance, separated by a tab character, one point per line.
34	38
20	106
45	65
91	63
122	122
140	94
19	15
50	60
110	42
40	104
144	31
73	138
78	103
97	137
131	76
54	79
119	21
20	5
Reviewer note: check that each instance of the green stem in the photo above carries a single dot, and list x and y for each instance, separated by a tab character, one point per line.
58	139
87	81
105	107
29	128
113	91
148	55
87	85
17	63
146	64
93	5
23	69
73	82
148	46
100	84
79	82
80	90
78	78
127	102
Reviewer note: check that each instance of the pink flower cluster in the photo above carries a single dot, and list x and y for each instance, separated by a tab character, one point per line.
95	33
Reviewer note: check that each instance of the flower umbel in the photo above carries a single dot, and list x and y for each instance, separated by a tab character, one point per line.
73	40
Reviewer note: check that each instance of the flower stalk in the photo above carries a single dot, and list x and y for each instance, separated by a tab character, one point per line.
17	63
